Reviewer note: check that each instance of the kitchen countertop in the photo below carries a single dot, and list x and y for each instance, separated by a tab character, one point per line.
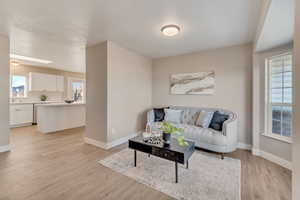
61	104
35	102
20	103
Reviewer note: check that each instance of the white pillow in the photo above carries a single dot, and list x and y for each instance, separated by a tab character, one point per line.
173	116
204	118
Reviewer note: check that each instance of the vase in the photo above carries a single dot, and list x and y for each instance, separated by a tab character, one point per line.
166	138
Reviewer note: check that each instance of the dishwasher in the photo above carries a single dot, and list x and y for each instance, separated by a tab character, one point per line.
34	117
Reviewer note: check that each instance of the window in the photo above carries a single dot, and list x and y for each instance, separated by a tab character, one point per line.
18	86
76	89
279	107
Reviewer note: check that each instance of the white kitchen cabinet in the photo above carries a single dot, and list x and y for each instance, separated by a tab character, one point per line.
36	82
49	82
21	114
45	82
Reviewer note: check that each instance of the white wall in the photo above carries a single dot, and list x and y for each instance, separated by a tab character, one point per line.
96	85
129	91
118	85
233	68
4	95
296	138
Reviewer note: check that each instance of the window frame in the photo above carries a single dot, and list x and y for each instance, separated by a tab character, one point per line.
25	87
268	104
70	91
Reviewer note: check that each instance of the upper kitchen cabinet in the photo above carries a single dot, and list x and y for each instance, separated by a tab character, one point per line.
48	83
45	82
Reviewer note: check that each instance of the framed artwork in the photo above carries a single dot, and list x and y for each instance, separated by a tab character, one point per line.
201	83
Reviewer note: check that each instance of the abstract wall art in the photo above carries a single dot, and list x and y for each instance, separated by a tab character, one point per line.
201	83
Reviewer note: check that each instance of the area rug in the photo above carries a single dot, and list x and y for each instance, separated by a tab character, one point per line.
208	177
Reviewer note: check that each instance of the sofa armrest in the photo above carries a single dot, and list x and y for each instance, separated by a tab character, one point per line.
230	126
150	116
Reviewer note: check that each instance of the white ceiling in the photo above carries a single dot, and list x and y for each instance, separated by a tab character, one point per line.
65	56
278	27
59	30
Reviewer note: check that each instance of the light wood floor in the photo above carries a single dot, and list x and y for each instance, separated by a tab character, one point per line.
60	166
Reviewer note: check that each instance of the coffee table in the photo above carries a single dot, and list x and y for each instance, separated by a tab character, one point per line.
174	152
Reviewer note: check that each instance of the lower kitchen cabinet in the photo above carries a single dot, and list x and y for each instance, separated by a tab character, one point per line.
21	115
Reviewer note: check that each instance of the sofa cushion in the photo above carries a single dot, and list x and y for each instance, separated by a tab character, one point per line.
173	116
204	119
189	116
197	134
218	120
205	135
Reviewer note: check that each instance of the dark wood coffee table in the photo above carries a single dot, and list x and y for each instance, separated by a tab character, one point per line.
174	152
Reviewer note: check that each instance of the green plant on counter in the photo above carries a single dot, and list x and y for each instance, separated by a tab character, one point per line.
169	128
43	97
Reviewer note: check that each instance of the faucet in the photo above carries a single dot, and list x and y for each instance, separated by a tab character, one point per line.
76	97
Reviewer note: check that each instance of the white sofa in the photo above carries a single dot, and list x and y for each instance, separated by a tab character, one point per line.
224	141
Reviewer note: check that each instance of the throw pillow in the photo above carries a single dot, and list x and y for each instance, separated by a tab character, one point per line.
204	119
159	114
218	120
173	116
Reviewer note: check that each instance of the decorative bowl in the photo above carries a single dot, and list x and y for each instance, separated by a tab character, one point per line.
69	101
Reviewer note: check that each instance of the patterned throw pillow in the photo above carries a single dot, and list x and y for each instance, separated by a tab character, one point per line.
173	116
204	118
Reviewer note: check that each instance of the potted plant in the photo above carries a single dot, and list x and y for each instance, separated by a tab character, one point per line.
168	129
43	97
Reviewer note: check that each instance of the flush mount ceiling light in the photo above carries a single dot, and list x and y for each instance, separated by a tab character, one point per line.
19	57
170	30
14	63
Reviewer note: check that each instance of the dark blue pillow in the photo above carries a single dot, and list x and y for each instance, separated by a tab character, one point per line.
218	120
159	114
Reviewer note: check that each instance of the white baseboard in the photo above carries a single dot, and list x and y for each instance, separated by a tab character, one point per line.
21	125
267	156
120	141
108	145
4	148
274	159
255	152
96	143
244	146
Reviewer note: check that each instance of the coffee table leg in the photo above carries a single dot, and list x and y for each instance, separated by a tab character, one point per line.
187	164
135	158
176	172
